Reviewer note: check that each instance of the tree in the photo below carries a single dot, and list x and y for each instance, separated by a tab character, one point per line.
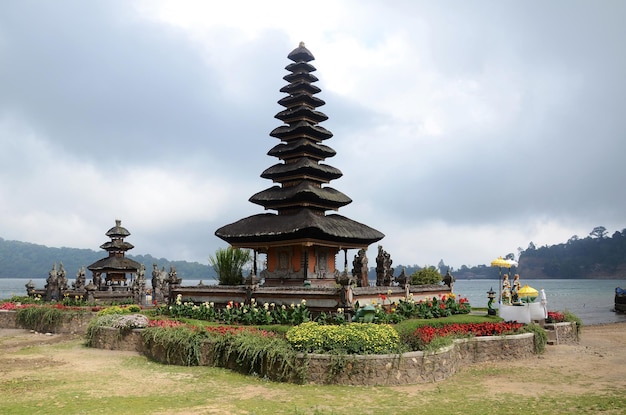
598	232
426	276
229	263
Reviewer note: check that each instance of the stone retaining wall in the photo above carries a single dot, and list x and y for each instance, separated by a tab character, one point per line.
7	320
562	333
416	367
407	368
73	323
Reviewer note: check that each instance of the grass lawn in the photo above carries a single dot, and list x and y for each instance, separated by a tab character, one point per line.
69	378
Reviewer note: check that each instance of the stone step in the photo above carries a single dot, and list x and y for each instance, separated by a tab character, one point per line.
553	337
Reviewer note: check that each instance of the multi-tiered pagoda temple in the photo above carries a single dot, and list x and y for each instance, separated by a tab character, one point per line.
115	266
300	239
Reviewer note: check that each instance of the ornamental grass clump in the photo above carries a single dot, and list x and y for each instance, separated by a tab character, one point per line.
365	338
41	319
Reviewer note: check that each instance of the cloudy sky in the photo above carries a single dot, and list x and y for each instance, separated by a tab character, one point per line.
464	130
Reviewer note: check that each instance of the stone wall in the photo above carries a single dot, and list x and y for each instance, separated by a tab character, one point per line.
407	368
7	320
110	338
562	333
73	323
416	367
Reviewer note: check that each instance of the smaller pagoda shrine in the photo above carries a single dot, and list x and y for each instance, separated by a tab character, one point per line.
115	266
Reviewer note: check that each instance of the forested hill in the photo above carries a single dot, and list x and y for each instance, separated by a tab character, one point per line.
27	260
596	256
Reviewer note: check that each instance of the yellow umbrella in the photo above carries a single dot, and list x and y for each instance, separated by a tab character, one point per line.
527	292
500	263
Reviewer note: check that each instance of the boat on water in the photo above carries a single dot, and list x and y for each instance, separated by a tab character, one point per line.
620	299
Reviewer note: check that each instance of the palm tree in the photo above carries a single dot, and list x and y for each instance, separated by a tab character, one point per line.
228	263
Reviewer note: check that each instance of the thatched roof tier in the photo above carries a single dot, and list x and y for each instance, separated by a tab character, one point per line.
303	194
114	263
301	129
300	86
301	147
300	76
302	169
301	54
118	231
300	67
117	245
301	99
301	113
304	227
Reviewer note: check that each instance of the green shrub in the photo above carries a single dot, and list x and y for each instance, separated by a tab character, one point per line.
366	338
25	299
117	309
426	276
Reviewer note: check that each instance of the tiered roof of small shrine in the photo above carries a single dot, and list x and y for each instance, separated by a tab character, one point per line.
301	196
116	247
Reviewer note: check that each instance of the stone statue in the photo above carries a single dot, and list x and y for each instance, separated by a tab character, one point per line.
79	285
402	279
52	284
62	278
138	286
360	268
97	280
506	290
515	288
448	279
384	271
159	284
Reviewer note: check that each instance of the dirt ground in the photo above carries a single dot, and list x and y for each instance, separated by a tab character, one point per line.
595	363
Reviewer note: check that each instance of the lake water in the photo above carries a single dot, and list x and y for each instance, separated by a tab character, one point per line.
591	300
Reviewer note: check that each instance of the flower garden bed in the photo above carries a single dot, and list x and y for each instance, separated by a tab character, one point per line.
370	369
327	350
